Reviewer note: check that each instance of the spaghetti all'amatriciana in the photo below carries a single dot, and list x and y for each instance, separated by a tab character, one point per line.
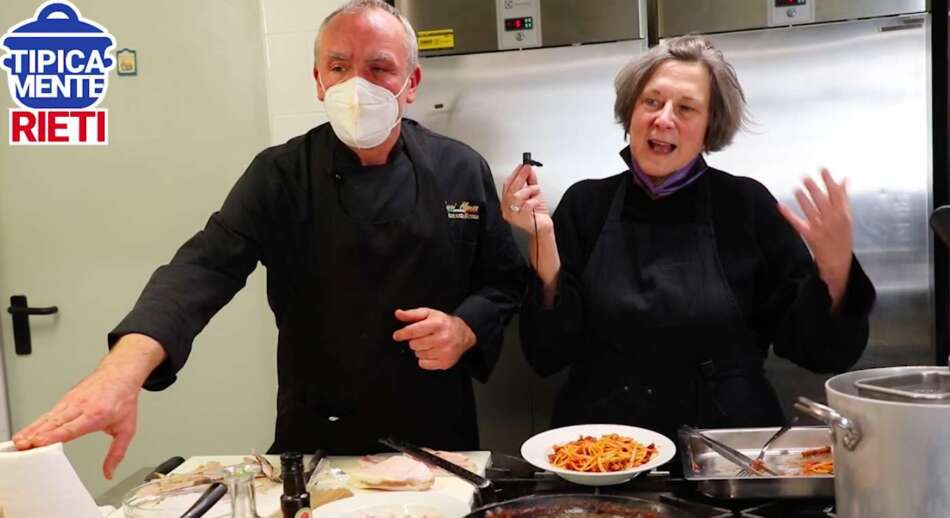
611	452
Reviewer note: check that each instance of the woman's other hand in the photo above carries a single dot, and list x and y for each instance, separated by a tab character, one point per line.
826	228
522	204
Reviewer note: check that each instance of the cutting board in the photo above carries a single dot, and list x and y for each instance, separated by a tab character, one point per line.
268	500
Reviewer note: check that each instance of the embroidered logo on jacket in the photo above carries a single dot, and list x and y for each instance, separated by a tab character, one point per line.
462	210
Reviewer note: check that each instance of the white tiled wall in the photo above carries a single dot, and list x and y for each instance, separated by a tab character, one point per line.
289	29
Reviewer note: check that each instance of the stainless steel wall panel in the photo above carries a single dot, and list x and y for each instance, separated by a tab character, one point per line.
834	10
473	22
563	22
569	21
678	17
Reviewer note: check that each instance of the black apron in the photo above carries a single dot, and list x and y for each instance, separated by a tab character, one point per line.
351	382
668	343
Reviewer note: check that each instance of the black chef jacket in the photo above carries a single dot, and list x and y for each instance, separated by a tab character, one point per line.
340	393
646	365
377	192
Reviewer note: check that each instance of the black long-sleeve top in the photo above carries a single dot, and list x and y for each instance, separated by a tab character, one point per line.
261	221
783	300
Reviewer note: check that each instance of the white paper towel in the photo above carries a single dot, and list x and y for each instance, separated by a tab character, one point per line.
41	482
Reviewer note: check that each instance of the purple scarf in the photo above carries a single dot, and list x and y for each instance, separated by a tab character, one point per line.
672	183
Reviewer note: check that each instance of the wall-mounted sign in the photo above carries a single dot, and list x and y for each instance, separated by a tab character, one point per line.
436	40
127	62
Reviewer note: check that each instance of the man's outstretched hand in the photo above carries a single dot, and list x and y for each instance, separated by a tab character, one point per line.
106	400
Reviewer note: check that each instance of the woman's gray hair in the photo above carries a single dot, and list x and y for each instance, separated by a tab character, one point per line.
727	106
355	6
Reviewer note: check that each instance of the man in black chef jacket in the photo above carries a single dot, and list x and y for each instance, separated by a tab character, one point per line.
389	269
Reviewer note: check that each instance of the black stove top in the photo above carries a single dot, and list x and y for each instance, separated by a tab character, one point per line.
513	478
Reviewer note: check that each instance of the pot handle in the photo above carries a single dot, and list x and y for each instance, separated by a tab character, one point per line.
851	432
46	13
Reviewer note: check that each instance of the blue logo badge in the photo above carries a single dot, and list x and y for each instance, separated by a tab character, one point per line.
57	68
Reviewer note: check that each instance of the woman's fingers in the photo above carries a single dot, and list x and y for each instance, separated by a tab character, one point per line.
516	189
522	201
811	212
799	224
506	187
517	179
527	192
818	197
532	178
837	192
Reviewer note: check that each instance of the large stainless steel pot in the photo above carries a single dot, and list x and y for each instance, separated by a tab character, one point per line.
891	441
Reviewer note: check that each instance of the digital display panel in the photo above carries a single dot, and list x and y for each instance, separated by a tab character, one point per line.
525	23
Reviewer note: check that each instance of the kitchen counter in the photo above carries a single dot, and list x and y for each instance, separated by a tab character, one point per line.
269	500
514	478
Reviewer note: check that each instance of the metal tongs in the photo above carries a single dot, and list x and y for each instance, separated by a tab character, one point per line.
731	454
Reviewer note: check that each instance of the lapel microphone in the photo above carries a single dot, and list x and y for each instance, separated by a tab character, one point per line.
527	160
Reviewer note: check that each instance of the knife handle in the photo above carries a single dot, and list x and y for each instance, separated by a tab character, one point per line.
206	501
164	468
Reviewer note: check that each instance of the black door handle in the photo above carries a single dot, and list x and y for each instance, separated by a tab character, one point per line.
21	312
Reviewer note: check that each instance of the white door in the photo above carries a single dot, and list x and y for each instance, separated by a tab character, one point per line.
82	228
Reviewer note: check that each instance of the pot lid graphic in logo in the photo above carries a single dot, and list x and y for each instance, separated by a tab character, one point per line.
57	60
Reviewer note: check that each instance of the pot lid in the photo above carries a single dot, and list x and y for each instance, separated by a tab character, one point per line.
928	386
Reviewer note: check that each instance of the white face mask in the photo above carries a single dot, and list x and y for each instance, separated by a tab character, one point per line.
361	113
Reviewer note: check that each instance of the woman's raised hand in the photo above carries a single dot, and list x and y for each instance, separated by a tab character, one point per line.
522	204
826	228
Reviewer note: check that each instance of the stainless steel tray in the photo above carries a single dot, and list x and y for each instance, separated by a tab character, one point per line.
716	476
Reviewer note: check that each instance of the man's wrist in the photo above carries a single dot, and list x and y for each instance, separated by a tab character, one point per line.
134	355
468	335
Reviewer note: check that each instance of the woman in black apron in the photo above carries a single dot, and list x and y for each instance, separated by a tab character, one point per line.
662	288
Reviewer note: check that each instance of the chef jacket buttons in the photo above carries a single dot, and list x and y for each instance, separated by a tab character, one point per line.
626	388
649	391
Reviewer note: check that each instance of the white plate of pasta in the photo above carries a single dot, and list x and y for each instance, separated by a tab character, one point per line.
598	454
